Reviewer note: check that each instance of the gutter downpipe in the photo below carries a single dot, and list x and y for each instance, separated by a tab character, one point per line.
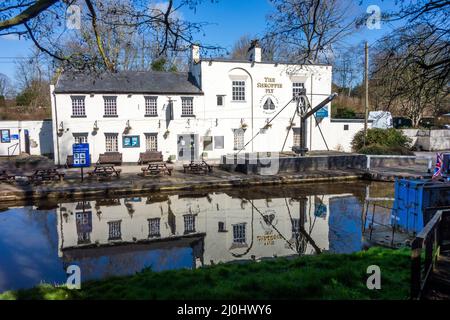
56	128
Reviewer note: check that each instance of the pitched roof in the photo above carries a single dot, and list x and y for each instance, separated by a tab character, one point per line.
144	82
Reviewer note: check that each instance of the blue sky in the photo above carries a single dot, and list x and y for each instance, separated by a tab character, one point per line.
229	20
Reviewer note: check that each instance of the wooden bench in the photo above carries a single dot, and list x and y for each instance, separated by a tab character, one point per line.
197	167
46	175
104	171
110	158
150	156
155	168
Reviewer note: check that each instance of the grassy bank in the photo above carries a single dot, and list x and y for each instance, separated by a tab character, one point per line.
325	276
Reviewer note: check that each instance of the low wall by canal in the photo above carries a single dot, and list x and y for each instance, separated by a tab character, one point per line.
272	165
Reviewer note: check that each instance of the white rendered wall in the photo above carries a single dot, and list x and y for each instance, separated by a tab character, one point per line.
40	137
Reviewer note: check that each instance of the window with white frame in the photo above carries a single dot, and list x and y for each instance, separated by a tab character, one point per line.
297	88
239	233
296	132
111	142
187	106
80	137
110	106
154	227
78	106
238	139
238	91
151	106
151	142
114	230
189	223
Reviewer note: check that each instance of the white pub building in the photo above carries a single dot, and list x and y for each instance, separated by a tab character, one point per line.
214	109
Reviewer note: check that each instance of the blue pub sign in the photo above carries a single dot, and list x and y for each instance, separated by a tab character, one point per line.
81	157
322	113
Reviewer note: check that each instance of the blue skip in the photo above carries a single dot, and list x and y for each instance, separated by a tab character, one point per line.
416	201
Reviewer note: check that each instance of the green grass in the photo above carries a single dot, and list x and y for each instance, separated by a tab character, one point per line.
325	276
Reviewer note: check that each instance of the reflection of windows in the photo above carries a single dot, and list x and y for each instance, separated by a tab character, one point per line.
110	106
114	230
80	137
154	227
296	136
78	108
238	91
297	88
111	142
239	233
84	237
238	139
207	143
218	142
84	226
151	142
189	223
151	106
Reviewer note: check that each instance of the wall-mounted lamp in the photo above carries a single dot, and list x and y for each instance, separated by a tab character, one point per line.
91	95
159	123
127	127
130	95
61	128
217	122
95	126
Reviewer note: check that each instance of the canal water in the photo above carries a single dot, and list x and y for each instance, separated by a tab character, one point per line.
122	236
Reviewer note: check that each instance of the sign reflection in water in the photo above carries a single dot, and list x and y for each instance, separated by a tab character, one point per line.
122	236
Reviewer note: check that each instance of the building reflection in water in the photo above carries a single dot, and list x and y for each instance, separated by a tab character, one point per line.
122	236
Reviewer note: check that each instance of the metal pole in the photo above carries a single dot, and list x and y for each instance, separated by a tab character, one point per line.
366	84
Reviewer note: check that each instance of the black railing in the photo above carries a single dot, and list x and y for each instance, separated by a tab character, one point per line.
427	245
10	147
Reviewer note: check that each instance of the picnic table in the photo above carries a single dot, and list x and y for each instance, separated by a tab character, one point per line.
4	176
45	175
156	168
104	171
197	167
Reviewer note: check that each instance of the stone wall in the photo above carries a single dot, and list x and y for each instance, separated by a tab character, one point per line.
294	164
429	140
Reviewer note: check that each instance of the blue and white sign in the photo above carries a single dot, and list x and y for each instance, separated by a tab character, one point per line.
14	137
81	156
5	137
322	113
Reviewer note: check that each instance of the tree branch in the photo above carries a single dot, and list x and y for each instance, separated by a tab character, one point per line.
28	14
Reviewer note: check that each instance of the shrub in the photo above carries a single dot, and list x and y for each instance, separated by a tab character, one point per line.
391	138
380	149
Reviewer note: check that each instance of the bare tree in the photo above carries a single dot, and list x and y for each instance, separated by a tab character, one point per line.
310	29
105	25
5	86
425	36
402	85
347	68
